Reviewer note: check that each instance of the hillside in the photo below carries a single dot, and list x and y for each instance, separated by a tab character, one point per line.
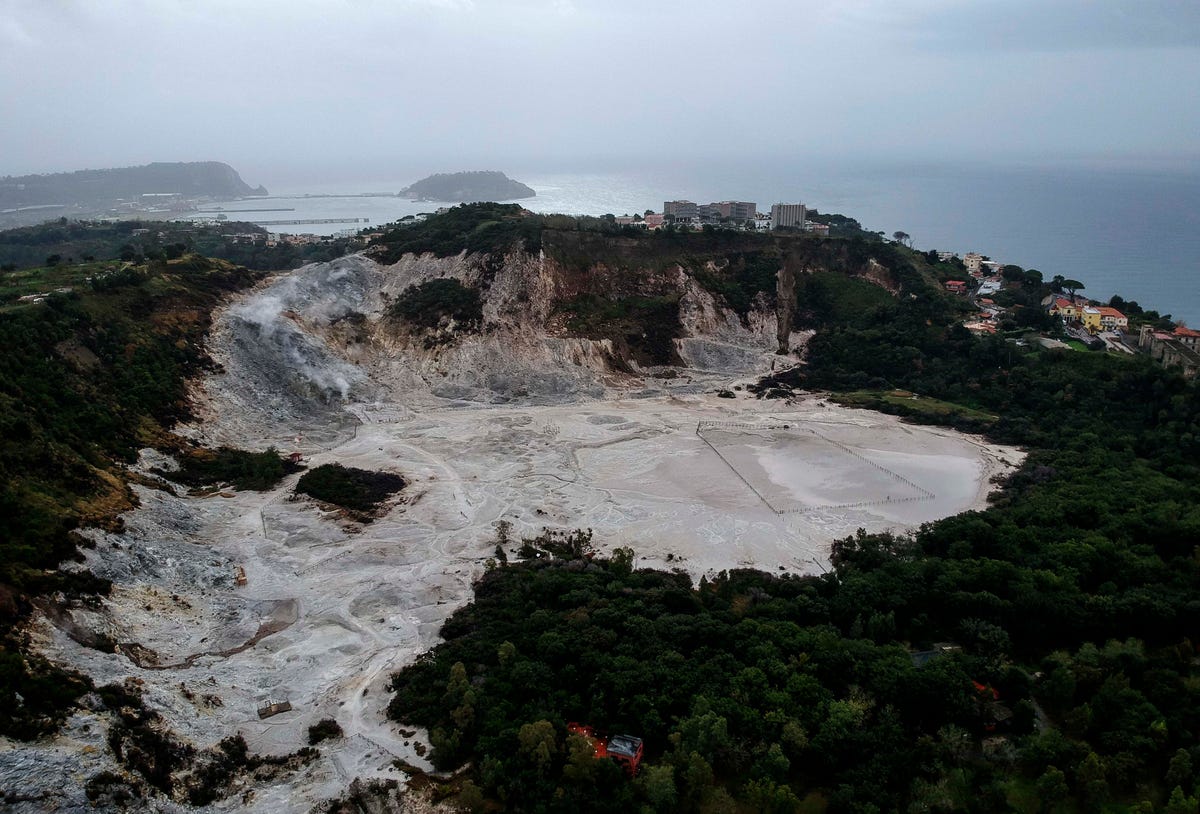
619	507
69	242
93	369
480	185
28	199
193	179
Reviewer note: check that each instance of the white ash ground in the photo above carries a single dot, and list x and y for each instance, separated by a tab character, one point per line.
329	613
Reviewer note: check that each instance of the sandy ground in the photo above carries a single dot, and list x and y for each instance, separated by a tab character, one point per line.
330	611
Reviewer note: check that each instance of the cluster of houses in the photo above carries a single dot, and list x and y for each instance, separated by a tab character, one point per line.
1178	348
983	281
1093	318
739	215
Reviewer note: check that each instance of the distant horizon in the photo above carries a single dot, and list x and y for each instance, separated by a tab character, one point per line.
264	173
1122	229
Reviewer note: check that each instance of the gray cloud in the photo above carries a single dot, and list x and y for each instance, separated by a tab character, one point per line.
1028	25
398	88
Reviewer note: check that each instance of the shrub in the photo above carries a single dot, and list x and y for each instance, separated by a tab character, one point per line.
256	471
323	729
428	304
356	489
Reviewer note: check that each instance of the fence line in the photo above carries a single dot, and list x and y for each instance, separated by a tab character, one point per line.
923	493
320	563
741	477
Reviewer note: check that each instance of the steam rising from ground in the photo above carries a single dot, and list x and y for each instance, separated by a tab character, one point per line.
550	437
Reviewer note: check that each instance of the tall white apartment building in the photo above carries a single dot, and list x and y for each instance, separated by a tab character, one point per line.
787	216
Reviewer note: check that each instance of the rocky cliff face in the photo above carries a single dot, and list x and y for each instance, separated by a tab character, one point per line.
550	331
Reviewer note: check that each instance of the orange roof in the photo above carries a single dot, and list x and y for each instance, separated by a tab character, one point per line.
1182	330
1105	311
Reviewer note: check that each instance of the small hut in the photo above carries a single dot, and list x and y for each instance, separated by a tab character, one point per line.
274	708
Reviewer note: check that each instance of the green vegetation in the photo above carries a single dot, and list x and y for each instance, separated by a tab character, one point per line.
35	696
156	758
468	186
358	490
481	227
642	328
743	279
256	471
918	408
78	245
428	305
842	226
323	729
86	379
1076	596
832	298
105	187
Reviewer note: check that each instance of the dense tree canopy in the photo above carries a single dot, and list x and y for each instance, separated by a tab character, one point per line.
1072	606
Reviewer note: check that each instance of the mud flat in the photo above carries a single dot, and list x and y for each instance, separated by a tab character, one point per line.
330	610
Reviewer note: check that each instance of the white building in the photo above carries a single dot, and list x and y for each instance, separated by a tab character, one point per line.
787	216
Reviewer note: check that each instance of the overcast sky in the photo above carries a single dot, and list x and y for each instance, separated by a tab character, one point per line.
279	87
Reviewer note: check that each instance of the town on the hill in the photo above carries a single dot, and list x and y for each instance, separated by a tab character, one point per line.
1081	323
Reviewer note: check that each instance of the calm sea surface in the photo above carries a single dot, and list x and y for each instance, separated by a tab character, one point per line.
1134	233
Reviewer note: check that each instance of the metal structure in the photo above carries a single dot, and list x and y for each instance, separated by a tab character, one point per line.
626	750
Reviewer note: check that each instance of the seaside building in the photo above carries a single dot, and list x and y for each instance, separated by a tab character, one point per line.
1064	308
787	216
1167	349
1186	336
681	211
973	261
1111	319
727	210
688	212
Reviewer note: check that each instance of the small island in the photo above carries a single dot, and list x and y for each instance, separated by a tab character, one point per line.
467	187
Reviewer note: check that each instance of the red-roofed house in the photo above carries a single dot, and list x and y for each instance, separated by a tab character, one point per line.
1169	349
1065	308
1111	319
956	286
1186	336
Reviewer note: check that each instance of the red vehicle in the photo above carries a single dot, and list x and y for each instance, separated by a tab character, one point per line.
624	749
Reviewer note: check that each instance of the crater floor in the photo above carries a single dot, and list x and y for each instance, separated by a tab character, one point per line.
329	610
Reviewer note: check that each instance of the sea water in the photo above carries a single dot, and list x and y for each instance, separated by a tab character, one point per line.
1133	232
